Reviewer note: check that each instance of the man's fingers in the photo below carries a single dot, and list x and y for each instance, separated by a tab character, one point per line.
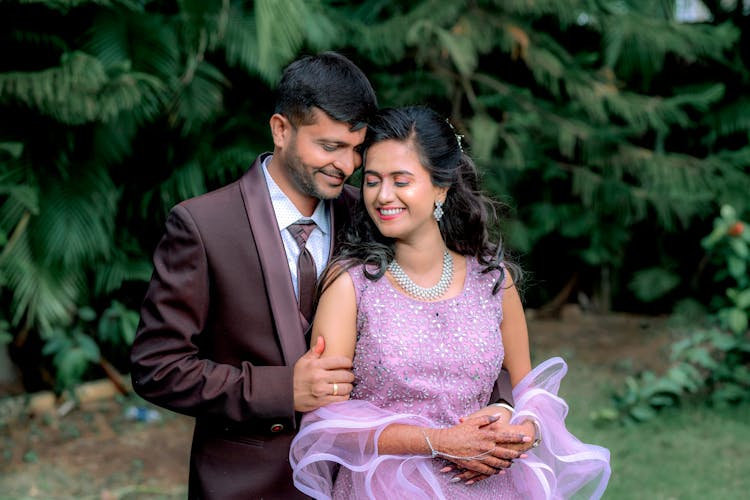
319	346
337	364
333	390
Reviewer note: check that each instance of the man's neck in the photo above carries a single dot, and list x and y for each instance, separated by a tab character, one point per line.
304	203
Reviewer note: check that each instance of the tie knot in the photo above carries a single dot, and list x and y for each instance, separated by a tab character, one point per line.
301	231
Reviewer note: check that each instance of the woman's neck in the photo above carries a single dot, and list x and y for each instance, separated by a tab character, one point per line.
419	259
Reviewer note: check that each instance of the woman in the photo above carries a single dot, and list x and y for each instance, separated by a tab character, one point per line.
424	304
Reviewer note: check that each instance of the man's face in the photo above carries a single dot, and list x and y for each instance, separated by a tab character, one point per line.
319	157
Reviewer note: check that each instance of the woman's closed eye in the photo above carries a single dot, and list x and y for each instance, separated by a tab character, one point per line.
371	180
400	181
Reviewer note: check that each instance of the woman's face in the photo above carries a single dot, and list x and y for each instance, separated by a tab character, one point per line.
397	190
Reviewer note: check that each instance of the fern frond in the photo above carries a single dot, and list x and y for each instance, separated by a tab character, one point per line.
39	40
280	25
638	45
228	164
20	201
67	5
146	42
43	296
200	99
80	91
76	219
567	12
119	268
728	119
186	181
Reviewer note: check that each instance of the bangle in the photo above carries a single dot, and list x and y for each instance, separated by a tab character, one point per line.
537	433
506	406
435	454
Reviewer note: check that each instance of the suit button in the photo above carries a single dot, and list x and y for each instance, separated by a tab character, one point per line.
277	428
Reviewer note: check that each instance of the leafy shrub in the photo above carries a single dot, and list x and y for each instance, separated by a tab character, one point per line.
713	362
76	348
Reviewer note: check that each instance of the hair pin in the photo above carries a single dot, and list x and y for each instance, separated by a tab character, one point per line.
458	136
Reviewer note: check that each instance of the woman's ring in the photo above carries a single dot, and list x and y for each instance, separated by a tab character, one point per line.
335	389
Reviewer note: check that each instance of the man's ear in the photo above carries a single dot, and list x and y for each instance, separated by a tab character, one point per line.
281	130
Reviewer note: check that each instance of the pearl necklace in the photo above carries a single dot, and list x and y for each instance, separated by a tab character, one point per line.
432	293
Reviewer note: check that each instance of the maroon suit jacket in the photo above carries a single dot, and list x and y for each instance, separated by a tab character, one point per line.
219	334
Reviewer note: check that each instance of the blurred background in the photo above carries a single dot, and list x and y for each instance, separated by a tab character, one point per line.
615	133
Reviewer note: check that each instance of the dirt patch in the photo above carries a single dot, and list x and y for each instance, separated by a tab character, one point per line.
96	451
618	341
100	451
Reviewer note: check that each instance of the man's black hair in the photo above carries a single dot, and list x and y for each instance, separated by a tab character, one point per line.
330	82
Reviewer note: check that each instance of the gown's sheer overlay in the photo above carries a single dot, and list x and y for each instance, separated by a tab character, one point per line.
429	364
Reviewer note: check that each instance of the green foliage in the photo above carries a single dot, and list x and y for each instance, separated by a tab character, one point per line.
81	90
75	348
650	284
72	349
599	122
5	335
117	325
712	362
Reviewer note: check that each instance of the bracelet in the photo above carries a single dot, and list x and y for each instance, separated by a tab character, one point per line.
537	433
506	406
435	454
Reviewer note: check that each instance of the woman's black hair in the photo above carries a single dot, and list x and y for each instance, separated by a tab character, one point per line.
468	214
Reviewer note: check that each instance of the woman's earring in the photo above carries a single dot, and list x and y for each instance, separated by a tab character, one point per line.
438	212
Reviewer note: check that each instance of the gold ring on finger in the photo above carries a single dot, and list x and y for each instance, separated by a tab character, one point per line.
335	389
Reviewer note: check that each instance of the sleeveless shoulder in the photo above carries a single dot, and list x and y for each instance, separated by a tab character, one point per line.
361	282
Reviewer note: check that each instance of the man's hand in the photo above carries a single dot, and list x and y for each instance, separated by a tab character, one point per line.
319	381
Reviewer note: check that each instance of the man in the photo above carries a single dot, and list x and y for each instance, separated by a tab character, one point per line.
222	336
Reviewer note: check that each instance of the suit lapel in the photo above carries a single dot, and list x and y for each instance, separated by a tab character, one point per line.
272	258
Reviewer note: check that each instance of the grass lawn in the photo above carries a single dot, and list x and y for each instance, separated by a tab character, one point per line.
693	452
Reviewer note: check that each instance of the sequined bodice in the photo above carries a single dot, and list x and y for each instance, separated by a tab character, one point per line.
436	359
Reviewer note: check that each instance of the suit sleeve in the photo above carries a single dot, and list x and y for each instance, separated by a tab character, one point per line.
503	390
168	367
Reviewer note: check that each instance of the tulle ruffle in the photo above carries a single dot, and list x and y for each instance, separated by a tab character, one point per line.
562	466
347	433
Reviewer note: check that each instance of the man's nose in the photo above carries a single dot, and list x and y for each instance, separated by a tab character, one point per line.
348	161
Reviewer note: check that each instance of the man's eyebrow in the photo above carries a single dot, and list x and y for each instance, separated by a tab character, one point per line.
332	141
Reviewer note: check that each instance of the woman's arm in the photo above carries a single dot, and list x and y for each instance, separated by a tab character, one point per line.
515	335
336	318
469	444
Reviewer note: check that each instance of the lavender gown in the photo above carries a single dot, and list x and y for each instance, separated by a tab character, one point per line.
428	364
